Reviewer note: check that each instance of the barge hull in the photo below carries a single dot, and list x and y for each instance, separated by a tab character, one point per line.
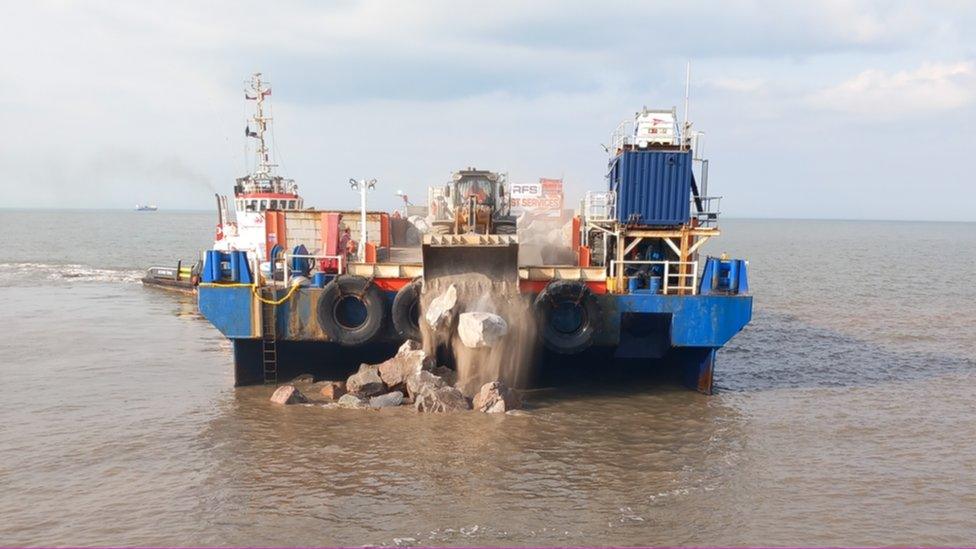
674	334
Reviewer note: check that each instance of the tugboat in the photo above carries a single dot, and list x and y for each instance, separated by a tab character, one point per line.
255	193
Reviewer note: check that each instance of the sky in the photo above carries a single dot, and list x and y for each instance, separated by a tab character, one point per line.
827	109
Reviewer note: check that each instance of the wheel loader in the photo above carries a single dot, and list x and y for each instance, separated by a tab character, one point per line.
472	228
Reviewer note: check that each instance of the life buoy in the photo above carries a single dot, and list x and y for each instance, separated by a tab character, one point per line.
406	310
569	316
220	233
351	310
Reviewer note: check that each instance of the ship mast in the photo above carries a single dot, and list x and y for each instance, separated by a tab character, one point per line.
256	91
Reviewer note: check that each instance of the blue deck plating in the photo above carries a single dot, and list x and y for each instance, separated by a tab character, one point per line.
671	330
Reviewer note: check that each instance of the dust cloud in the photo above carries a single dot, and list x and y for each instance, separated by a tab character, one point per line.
511	359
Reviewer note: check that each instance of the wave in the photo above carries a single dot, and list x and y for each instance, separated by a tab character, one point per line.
31	272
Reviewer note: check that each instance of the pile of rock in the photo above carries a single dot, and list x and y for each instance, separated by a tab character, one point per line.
409	378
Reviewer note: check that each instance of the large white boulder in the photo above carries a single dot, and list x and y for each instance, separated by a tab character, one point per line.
479	329
439	311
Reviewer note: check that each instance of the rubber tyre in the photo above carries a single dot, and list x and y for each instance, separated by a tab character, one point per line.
505	228
442	228
369	296
561	292
405	305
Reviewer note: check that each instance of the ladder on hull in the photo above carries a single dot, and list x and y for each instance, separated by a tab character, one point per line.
269	342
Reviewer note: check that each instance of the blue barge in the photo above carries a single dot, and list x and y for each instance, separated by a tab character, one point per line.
638	291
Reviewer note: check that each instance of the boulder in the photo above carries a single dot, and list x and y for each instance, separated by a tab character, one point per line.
496	398
448	375
420	223
439	311
410	345
332	389
422	381
366	382
443	399
394	372
304	378
479	329
349	400
288	394
386	401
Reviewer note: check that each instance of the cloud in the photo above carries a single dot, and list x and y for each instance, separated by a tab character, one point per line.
933	87
130	94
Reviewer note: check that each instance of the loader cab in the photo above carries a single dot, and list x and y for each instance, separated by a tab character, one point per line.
482	189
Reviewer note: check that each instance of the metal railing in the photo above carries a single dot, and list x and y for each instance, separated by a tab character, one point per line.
710	206
619	136
599	206
684	281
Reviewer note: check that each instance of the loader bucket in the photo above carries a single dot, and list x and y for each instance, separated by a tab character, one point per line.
495	256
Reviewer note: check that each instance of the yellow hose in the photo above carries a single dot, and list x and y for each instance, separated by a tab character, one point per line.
291	292
254	290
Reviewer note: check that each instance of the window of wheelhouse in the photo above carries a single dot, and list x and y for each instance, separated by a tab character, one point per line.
264	205
274	204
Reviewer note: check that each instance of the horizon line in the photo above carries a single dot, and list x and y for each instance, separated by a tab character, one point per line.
730	217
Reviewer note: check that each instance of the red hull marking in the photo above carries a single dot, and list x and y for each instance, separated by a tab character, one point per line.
536	286
391	284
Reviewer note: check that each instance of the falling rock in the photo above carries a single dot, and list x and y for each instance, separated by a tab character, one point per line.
288	394
386	401
422	381
349	400
496	398
440	308
443	399
332	389
479	329
366	382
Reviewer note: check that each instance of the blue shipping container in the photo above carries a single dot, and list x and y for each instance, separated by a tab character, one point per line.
653	187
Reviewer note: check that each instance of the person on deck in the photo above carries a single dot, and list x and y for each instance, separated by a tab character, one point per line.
347	246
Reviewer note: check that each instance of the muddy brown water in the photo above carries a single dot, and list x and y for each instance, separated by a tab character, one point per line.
845	414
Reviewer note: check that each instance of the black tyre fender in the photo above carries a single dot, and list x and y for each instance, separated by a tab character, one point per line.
568	293
370	298
406	310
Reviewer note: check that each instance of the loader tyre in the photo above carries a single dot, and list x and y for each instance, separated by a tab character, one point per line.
442	228
505	228
351	310
406	310
569	316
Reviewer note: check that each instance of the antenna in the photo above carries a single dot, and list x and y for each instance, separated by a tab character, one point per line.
684	130
257	90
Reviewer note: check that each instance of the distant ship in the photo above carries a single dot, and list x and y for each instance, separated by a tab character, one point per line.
146	207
